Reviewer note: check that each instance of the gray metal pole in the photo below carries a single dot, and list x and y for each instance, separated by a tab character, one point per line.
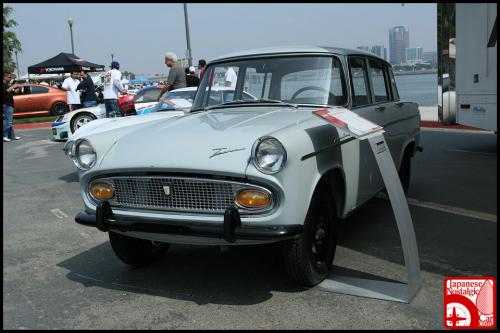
17	65
190	59
72	46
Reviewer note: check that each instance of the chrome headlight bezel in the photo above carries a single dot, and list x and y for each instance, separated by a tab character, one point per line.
68	147
75	153
255	151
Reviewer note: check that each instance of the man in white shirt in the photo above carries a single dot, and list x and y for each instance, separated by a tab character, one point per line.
230	77
112	89
72	96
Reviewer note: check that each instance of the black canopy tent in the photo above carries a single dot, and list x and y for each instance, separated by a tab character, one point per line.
64	63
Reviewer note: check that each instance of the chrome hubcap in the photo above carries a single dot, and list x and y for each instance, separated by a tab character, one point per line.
319	242
82	121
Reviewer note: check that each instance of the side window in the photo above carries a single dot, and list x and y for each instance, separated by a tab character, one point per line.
380	81
359	82
39	90
25	90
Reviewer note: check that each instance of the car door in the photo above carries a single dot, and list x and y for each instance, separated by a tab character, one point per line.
39	99
22	100
362	103
384	106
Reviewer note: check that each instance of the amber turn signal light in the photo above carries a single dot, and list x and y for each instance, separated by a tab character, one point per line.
101	191
253	199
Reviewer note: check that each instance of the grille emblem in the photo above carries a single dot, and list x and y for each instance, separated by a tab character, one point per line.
166	190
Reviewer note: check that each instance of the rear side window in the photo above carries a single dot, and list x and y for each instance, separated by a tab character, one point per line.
39	90
380	81
359	82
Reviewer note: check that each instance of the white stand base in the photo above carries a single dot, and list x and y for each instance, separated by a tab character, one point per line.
392	291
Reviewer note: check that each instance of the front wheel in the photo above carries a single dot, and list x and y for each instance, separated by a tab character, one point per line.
81	119
309	258
136	252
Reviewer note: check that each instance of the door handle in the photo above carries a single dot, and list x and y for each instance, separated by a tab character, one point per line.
380	108
400	104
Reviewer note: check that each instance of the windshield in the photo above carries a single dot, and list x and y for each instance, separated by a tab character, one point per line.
147	96
301	80
173	100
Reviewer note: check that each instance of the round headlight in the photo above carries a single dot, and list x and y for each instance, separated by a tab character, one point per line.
84	155
269	155
68	146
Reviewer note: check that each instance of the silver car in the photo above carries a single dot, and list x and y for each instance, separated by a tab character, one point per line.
240	170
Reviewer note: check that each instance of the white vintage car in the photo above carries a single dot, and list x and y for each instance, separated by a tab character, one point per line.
249	171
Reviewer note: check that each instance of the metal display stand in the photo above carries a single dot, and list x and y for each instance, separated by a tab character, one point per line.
363	129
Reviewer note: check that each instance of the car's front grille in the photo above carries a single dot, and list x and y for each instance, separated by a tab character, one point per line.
182	194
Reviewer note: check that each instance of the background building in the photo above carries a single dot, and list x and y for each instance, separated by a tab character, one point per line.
379	50
414	54
430	57
399	40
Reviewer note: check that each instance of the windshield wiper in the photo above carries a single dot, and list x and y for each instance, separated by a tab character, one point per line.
262	100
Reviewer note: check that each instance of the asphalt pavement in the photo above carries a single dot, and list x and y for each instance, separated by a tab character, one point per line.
61	275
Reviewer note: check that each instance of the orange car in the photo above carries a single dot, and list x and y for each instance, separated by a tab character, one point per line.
34	100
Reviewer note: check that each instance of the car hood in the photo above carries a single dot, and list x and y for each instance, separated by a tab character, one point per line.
217	141
109	124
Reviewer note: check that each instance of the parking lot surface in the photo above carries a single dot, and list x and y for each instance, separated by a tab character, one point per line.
61	275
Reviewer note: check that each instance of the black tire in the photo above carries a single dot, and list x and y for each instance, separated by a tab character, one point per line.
59	108
405	170
136	252
80	119
308	262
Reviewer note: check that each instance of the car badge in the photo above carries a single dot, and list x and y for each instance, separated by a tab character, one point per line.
166	190
221	151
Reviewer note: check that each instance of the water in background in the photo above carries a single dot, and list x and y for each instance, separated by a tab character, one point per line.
421	89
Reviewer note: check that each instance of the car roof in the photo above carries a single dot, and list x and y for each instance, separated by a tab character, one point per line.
298	49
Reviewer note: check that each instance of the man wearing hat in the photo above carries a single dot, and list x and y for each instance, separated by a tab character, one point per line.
191	78
112	89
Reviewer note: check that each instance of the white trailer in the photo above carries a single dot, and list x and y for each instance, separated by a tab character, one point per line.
476	65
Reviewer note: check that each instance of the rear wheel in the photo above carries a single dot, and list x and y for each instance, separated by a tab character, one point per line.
309	258
136	252
59	108
81	119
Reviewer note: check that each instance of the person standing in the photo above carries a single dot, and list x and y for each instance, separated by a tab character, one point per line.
112	88
8	107
191	78
73	97
87	90
230	77
176	77
201	66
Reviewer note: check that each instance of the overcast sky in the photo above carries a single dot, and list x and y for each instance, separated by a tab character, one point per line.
139	34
